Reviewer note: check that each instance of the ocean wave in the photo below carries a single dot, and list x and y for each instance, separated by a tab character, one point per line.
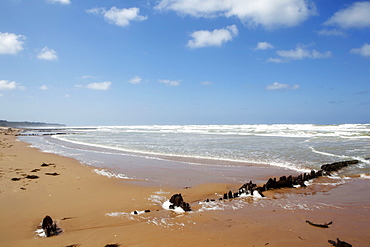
281	130
108	174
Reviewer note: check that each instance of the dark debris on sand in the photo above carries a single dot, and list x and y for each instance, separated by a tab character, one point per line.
339	243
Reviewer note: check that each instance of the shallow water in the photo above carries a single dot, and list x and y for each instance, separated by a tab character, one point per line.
219	151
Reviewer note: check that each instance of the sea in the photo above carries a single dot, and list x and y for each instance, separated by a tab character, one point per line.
177	153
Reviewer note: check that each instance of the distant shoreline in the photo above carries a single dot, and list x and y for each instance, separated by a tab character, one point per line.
26	124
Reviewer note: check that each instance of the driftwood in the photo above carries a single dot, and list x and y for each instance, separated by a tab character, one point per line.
339	243
325	225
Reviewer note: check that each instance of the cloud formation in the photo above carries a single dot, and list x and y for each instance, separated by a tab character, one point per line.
274	60
135	80
217	37
99	85
87	77
281	86
363	50
60	1
10	85
331	32
170	83
44	87
11	43
119	17
264	46
355	16
206	83
266	13
47	54
299	53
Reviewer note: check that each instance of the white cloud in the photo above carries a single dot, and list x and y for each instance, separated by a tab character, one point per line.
87	77
44	87
280	86
170	83
135	80
264	46
10	85
60	1
267	13
331	32
11	43
206	83
363	50
119	17
300	52
99	85
274	60
355	16
216	37
47	54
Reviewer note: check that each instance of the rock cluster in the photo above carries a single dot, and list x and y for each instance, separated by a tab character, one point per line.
337	165
286	182
177	201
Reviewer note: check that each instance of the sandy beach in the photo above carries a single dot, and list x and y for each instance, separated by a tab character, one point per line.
94	210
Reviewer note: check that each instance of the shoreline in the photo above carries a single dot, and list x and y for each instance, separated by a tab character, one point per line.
162	170
79	200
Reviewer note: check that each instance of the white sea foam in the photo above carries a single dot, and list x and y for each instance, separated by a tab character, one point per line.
233	204
108	174
40	233
290	166
365	176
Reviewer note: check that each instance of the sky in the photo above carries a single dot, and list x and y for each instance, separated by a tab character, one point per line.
120	62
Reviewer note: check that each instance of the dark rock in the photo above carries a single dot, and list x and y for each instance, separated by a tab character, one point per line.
337	165
52	174
313	174
259	190
147	211
32	177
112	245
49	226
339	243
230	194
16	179
178	201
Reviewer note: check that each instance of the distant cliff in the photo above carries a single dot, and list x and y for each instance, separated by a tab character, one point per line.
4	123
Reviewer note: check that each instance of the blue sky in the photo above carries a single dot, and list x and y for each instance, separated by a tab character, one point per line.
118	62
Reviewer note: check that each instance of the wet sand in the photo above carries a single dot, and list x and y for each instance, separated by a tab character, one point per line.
79	200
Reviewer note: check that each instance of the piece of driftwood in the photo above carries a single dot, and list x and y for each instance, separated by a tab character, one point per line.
325	225
339	243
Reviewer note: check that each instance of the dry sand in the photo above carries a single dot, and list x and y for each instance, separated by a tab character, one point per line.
79	199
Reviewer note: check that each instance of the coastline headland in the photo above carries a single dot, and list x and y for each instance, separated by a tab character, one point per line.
93	210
